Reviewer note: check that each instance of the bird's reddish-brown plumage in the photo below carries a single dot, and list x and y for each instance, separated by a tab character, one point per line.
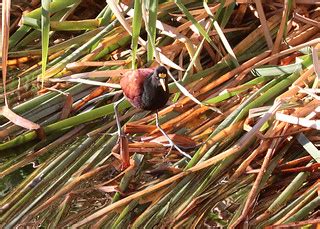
132	85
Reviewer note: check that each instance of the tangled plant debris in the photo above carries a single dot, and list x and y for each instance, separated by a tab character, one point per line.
244	103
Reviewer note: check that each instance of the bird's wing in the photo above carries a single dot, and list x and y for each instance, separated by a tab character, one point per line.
132	84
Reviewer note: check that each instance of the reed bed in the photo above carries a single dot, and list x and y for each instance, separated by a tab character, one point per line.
244	104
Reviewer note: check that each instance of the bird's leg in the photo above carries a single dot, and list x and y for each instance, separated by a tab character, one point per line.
122	139
116	113
169	139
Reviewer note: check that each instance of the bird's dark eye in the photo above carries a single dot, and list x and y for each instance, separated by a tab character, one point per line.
162	75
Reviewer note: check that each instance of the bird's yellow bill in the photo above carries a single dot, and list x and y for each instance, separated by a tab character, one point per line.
163	84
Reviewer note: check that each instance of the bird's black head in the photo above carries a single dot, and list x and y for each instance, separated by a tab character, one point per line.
160	70
160	74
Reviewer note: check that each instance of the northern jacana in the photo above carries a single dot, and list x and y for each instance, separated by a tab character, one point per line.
146	89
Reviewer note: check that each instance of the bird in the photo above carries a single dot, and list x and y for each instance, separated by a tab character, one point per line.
145	89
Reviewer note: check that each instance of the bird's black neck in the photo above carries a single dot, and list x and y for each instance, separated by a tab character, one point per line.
153	96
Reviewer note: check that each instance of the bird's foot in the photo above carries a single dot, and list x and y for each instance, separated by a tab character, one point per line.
172	145
112	133
169	139
122	135
170	150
